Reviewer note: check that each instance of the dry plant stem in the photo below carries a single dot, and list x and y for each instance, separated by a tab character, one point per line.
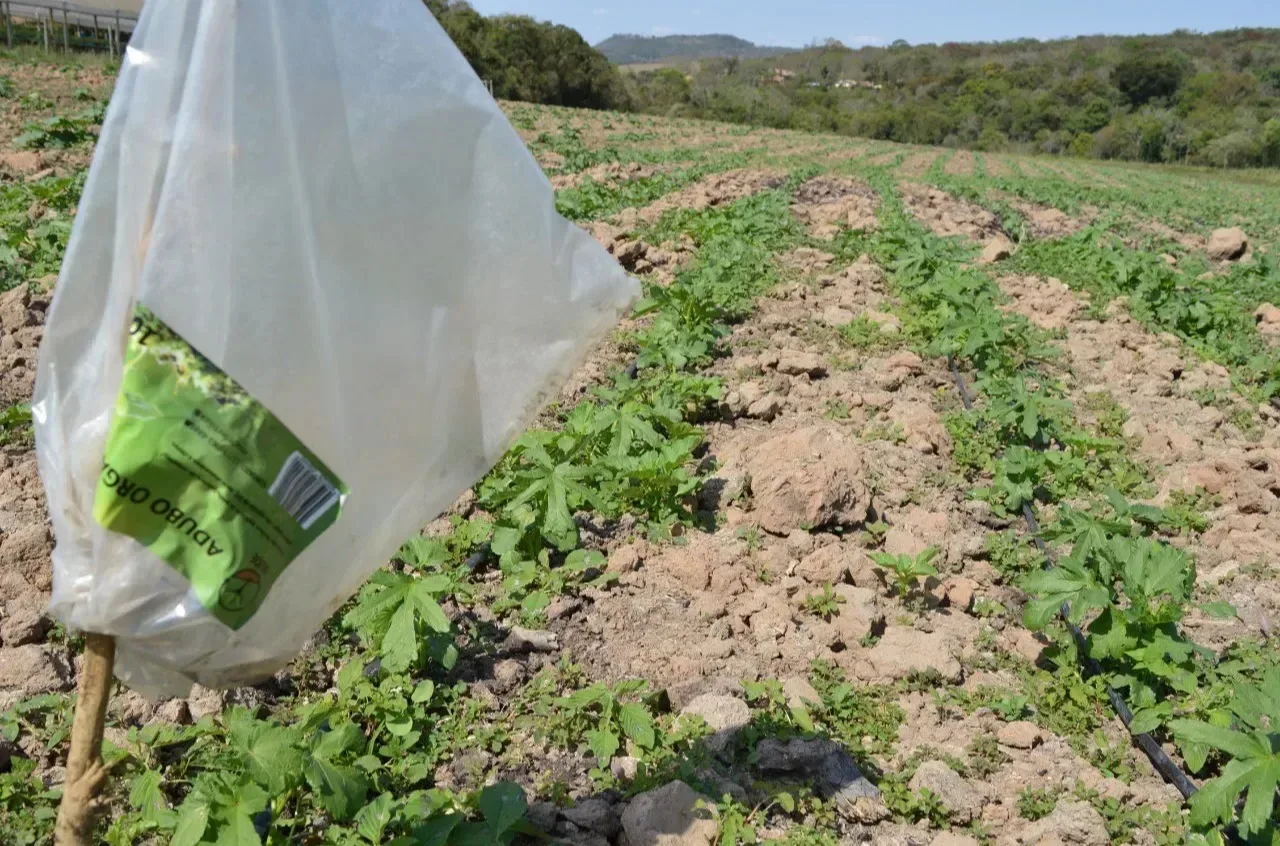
85	771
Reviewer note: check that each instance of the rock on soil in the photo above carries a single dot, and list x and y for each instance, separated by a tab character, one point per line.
594	814
1268	318
807	479
669	816
902	652
1227	244
727	716
997	249
33	669
1020	735
1071	823
962	801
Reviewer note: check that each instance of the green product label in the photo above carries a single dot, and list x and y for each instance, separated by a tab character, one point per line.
207	478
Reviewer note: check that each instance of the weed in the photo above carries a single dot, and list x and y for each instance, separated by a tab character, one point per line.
1036	803
824	605
907	570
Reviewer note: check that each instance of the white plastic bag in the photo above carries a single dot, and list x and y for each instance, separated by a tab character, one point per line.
322	202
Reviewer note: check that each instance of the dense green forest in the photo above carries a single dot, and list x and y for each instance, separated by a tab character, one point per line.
644	49
530	60
1204	99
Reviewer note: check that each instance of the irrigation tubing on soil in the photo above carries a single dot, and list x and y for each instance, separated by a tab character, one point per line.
1164	765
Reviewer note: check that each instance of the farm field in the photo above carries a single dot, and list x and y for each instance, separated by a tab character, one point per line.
766	570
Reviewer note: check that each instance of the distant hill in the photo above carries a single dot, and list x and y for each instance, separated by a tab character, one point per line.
647	49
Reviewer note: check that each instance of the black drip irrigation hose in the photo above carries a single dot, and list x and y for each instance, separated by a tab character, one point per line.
1164	765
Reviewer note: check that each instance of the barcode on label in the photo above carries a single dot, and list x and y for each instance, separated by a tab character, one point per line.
303	491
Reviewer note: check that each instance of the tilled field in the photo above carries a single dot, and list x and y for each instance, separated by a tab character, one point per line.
787	590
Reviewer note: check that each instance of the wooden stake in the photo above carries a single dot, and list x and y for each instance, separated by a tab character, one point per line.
85	771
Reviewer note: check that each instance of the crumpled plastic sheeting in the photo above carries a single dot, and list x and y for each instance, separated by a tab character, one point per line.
329	206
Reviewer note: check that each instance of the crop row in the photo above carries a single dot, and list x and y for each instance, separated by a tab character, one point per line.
1117	570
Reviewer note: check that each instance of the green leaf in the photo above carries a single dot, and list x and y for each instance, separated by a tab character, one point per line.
503	805
1149	719
146	796
429	611
604	745
270	752
423	692
400	643
374	818
437	830
193	819
1234	743
340	790
239	831
1219	610
343	738
637	724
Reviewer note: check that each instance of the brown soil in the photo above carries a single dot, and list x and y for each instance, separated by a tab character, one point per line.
716	190
997	165
829	204
960	164
916	164
950	216
1189	447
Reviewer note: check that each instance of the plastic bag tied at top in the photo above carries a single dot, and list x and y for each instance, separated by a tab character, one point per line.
316	285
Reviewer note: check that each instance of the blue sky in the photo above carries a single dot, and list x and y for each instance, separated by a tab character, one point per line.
795	23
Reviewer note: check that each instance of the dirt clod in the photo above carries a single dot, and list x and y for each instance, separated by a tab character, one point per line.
1071	823
671	815
961	799
1227	244
807	479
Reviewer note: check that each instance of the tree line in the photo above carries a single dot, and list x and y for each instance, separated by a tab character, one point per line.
532	61
1203	99
1209	99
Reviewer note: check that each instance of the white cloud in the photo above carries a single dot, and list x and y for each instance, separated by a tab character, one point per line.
599	13
662	30
868	40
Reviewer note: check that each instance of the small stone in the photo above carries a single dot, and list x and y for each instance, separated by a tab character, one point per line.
765	408
22	162
795	363
962	801
531	640
508	673
204	702
625	559
1074	823
624	767
799	693
671	815
562	606
1227	244
727	716
33	669
174	711
594	814
543	815
1020	735
24	622
901	652
996	249
960	592
13	308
